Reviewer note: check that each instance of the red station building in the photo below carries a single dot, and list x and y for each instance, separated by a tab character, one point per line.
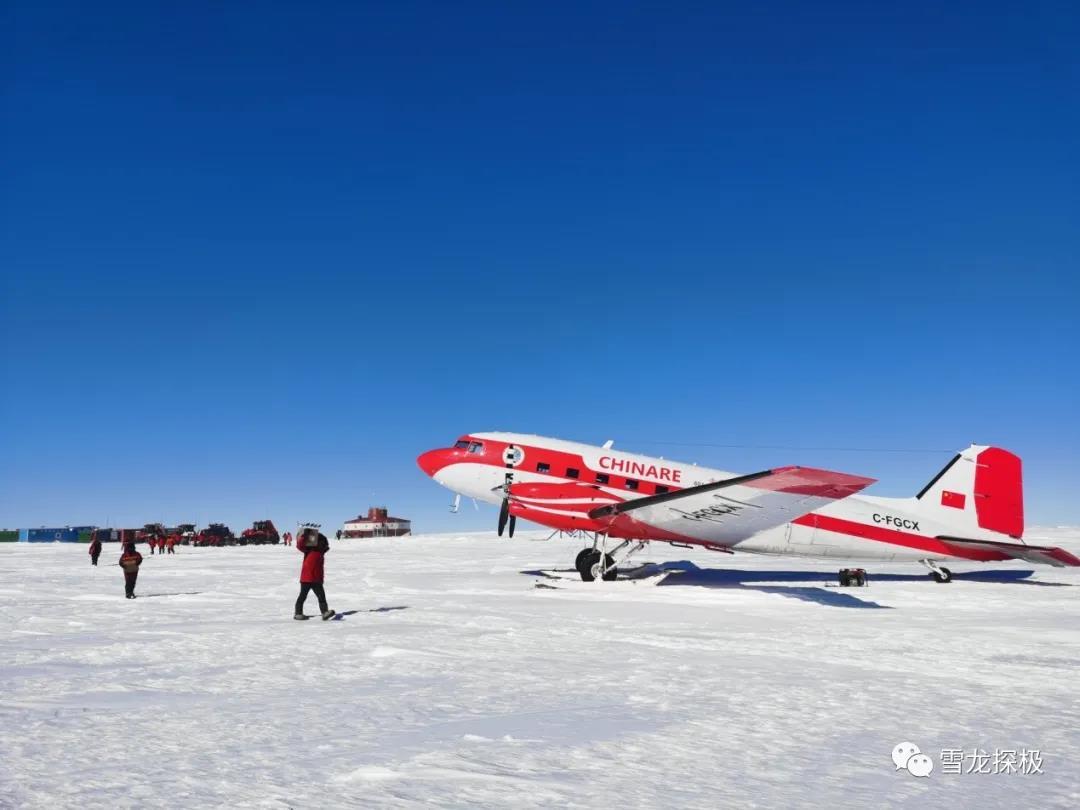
378	523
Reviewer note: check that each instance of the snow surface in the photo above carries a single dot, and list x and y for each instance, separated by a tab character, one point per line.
473	671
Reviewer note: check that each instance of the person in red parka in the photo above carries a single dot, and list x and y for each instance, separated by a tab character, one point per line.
313	545
130	561
95	550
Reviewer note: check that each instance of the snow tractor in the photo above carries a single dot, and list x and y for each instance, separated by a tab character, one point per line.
216	534
186	531
260	533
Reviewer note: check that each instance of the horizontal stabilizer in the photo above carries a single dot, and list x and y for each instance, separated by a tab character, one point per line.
1044	555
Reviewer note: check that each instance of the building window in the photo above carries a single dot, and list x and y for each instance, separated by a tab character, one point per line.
542	466
572	473
631	483
602	478
660	489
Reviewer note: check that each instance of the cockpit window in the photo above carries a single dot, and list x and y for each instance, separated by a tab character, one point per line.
461	444
476	447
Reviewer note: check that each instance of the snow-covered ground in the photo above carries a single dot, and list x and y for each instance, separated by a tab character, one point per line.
472	671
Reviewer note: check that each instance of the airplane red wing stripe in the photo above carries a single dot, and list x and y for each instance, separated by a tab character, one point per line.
812	482
804	482
898	538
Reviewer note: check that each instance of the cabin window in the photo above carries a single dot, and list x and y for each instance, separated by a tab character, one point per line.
463	444
661	489
602	478
631	483
542	466
476	447
572	473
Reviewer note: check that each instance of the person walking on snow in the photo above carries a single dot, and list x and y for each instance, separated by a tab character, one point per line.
313	545
95	550
130	561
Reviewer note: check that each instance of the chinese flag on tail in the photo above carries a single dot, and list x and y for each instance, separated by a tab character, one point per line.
954	499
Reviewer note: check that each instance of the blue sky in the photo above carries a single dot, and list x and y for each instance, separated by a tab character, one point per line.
257	257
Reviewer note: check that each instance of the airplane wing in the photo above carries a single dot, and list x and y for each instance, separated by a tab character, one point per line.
1045	555
725	512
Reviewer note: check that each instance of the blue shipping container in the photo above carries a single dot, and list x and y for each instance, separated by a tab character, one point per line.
64	535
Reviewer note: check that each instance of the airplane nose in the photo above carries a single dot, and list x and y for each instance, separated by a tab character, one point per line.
432	461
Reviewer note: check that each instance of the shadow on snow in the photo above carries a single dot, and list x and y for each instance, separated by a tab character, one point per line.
343	613
178	593
685	573
690	574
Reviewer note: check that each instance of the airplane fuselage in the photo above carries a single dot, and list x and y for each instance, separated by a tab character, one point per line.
857	528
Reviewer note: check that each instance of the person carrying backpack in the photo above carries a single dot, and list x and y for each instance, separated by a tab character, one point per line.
313	545
130	561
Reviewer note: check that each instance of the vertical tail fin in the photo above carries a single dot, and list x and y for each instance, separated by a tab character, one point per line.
981	487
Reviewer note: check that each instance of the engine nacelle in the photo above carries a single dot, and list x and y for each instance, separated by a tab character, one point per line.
562	506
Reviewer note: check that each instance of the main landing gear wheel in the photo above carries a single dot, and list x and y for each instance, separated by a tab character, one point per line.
590	567
942	575
582	556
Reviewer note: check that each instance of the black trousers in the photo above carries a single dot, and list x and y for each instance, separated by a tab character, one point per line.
317	589
129	582
94	558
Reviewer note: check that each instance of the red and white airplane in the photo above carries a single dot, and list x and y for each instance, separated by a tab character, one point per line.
972	510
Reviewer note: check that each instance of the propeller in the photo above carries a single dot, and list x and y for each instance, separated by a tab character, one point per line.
512	456
504	514
506	520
